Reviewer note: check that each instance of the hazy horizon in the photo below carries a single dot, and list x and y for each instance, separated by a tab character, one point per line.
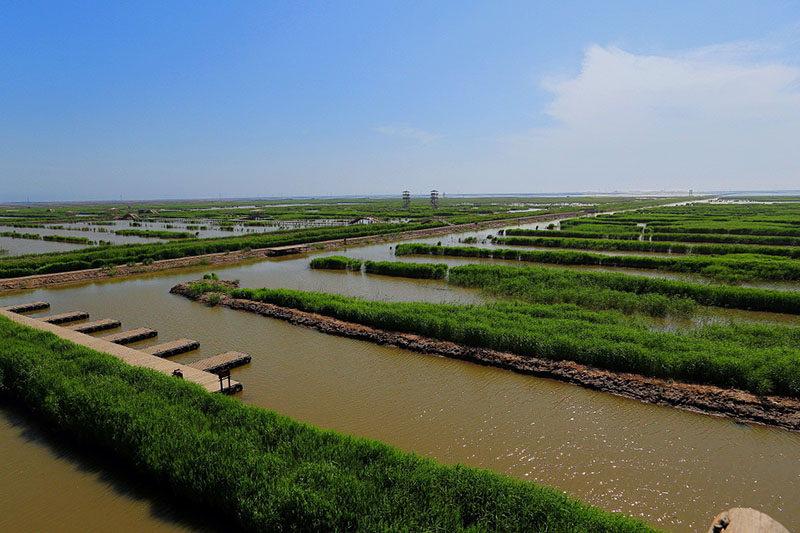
172	101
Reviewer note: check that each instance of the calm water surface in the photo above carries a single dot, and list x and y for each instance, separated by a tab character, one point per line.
672	468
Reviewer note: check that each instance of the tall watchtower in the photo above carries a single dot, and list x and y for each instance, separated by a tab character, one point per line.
406	199
435	198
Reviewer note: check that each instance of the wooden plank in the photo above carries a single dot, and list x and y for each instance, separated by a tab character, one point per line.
168	349
97	325
223	361
133	335
27	307
286	250
208	381
63	318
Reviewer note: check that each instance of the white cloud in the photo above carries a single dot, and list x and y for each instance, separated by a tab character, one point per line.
717	117
404	130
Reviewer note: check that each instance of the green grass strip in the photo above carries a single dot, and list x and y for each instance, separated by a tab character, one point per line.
647	246
562	332
733	268
407	270
264	471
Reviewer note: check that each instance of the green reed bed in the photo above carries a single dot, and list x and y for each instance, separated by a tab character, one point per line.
407	270
260	470
588	290
594	244
155	234
648	246
598	289
516	232
738	267
336	262
68	239
17	235
563	332
726	239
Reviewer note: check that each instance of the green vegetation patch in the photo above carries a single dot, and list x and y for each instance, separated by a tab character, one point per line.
732	268
264	471
601	290
564	332
407	270
336	262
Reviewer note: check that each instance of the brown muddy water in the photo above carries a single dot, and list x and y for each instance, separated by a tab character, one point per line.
674	469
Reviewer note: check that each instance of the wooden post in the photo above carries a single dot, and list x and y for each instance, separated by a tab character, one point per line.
224	374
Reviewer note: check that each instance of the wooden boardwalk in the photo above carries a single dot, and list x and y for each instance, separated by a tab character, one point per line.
286	250
63	318
97	325
133	335
168	349
207	380
223	361
26	308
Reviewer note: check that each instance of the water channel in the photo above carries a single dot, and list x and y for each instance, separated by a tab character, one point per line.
674	469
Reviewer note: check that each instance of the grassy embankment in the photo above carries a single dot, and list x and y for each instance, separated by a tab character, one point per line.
263	471
109	256
760	359
733	268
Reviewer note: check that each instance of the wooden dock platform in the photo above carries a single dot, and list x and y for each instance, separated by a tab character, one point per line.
133	335
26	308
168	349
207	380
286	250
63	318
223	361
97	325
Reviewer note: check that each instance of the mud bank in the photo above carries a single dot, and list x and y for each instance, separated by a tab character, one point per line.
776	411
76	276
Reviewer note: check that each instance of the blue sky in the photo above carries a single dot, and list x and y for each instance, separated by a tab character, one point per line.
105	100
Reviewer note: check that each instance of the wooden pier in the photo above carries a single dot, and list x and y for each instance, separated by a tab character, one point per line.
286	250
207	380
97	325
133	335
168	349
63	318
223	361
26	308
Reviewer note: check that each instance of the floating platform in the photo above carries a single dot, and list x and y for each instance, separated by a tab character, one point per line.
286	250
168	349
97	325
223	361
26	308
127	337
63	318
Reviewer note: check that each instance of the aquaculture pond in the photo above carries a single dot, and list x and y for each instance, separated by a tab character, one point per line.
674	469
106	231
